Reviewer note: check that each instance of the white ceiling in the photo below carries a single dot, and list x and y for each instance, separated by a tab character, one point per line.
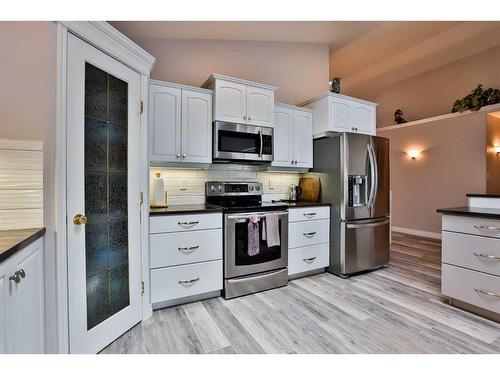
366	55
334	33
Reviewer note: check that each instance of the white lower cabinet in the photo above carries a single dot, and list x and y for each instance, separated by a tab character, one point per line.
471	261
22	301
308	239
185	257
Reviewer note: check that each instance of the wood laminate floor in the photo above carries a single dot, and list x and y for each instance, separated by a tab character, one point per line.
398	309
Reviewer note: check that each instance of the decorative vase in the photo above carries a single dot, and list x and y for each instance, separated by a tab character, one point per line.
336	85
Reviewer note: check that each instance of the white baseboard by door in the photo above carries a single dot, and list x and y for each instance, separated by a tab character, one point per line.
416	232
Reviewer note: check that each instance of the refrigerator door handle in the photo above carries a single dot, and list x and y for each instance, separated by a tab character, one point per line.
367	225
373	176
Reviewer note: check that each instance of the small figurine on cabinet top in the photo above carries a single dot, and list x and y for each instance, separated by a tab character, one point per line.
398	117
336	85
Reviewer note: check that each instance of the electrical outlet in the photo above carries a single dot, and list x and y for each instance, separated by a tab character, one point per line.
271	184
184	185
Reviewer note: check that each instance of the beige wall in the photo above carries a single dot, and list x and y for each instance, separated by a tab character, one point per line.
434	92
452	163
26	78
492	159
300	70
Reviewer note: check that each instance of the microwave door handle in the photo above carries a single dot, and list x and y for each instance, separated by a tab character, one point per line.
261	143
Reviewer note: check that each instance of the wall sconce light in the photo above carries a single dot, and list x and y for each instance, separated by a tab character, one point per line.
497	149
413	154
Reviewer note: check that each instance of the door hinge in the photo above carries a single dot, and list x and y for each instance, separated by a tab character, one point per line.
142	287
141	198
142	106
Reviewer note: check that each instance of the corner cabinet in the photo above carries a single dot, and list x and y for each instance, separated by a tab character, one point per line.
180	124
341	113
241	101
22	301
293	137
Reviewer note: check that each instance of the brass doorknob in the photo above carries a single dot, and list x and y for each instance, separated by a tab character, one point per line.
79	219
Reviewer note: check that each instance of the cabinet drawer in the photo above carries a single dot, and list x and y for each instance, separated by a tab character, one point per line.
171	249
308	258
474	252
308	213
308	233
182	223
472	225
184	281
471	287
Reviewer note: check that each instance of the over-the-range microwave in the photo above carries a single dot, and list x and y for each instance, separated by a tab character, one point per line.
233	142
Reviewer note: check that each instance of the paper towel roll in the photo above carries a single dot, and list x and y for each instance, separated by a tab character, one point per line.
158	191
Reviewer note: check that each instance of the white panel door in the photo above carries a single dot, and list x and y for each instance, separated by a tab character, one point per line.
283	137
364	118
341	112
196	127
303	139
165	123
260	106
230	102
103	205
26	304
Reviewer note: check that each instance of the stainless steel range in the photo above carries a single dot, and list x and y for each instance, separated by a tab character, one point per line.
255	258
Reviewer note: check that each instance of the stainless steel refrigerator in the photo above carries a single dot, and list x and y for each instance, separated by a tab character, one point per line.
354	176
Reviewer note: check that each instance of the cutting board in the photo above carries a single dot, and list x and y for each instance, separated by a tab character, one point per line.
310	189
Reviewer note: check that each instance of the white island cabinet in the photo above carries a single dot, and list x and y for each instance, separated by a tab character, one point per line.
180	125
293	137
341	113
471	262
241	101
21	301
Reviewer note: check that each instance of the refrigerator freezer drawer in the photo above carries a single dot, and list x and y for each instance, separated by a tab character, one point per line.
366	245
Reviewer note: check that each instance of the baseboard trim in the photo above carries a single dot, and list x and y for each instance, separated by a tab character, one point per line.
416	232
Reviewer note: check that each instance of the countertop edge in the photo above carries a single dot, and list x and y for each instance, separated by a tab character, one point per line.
22	244
474	195
454	211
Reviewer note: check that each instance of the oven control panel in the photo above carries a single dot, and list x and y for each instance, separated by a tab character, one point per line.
217	188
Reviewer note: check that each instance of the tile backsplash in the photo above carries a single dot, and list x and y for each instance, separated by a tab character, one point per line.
187	186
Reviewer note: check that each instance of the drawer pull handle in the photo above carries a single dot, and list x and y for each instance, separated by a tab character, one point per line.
187	223
487	256
487	228
189	249
310	214
309	235
189	282
309	260
491	294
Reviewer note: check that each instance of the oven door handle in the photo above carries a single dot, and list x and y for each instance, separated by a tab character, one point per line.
261	144
257	214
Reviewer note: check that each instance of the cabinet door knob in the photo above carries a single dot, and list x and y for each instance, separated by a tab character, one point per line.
16	278
79	219
21	273
249	118
178	155
183	155
245	117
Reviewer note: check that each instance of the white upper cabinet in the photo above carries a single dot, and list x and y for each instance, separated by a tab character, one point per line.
180	124
260	106
165	122
196	127
303	139
283	137
241	101
293	137
340	113
230	101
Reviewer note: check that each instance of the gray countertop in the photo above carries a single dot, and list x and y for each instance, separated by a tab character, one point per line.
11	241
471	211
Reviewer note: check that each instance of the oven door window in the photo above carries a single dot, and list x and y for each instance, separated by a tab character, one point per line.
246	143
266	253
